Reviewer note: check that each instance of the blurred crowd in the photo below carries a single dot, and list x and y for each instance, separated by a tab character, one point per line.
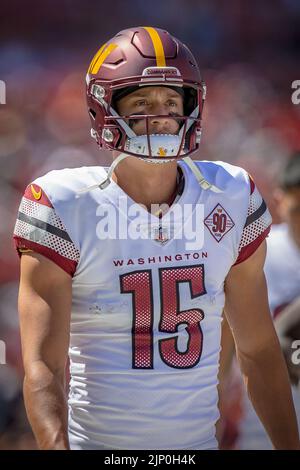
248	52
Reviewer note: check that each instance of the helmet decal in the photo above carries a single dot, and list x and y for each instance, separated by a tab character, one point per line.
98	53
101	55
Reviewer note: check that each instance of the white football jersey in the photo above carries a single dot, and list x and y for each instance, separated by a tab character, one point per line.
146	311
282	270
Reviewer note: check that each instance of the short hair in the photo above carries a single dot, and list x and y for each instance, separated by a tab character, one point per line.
290	177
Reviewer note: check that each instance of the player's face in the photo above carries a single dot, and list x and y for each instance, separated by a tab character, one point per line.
290	207
157	100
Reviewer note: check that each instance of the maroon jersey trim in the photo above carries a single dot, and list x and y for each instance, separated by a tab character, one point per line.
248	250
69	266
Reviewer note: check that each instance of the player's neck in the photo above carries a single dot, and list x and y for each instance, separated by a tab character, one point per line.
147	183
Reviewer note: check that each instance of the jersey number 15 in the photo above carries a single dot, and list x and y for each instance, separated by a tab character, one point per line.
140	285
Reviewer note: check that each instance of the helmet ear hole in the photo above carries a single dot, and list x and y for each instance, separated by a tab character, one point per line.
190	100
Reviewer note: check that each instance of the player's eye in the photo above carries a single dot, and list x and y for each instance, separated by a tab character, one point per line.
172	104
141	103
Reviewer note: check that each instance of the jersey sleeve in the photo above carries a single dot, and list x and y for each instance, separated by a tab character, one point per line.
38	228
257	225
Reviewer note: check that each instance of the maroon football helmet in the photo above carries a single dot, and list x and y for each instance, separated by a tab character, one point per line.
138	57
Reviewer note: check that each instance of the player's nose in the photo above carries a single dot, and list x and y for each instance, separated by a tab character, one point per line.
160	121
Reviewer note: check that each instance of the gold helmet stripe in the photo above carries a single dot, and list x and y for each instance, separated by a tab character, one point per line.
158	46
101	57
98	53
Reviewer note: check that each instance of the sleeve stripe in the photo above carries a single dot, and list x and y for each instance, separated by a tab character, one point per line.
40	212
39	228
256	215
27	232
44	226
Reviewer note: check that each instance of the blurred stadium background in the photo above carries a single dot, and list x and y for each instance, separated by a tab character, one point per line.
248	53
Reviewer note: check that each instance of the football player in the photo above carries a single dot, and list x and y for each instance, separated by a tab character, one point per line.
134	292
282	270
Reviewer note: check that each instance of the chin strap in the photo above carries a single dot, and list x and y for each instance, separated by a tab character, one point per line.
103	184
134	139
199	176
190	163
